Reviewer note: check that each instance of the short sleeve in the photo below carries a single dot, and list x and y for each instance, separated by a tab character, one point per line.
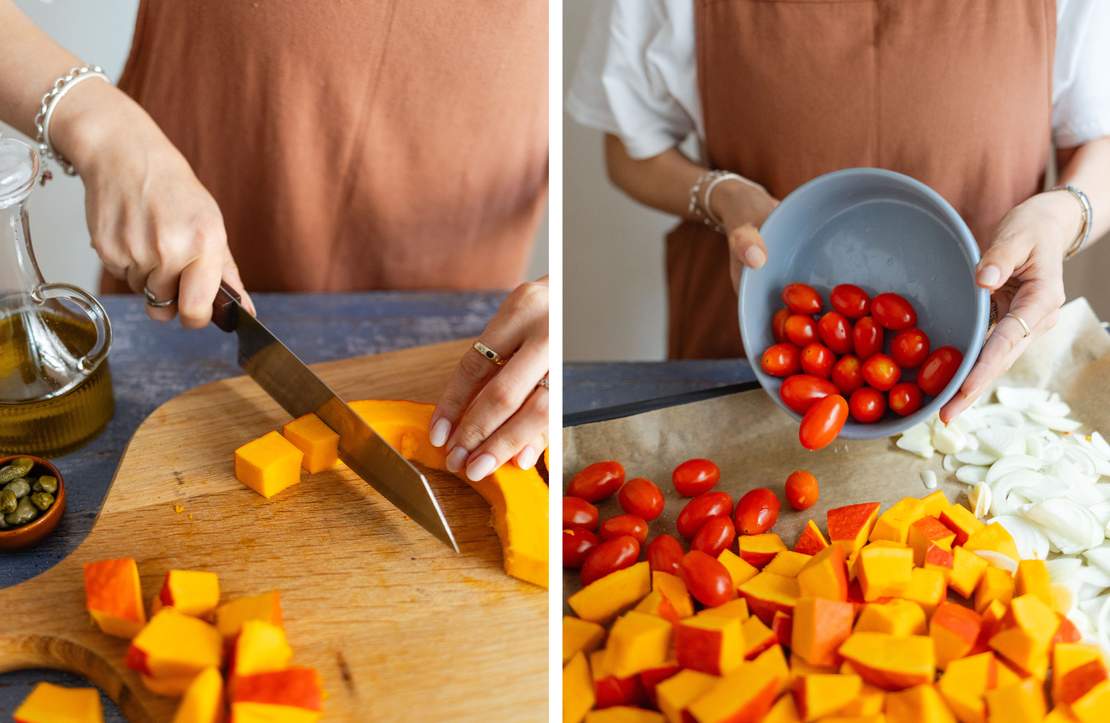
636	77
1080	85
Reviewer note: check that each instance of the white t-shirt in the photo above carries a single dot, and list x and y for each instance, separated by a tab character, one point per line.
637	75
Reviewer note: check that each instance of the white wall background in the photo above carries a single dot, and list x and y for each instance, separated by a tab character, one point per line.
100	32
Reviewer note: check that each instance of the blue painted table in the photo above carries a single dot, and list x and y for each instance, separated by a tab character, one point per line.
596	385
152	363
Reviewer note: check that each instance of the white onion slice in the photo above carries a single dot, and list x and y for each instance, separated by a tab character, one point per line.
1058	424
1001	441
1049	408
1011	463
949	463
1032	544
997	559
976	457
1020	397
1069	527
971	474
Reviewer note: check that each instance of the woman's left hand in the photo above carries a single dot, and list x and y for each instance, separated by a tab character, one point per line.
491	414
1024	270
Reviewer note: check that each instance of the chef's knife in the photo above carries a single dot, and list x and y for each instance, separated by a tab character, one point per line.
296	388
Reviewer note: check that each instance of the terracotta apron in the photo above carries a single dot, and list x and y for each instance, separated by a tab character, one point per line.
956	93
357	144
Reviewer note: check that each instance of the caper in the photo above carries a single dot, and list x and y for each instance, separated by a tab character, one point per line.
8	501
18	468
20	488
42	500
46	483
24	513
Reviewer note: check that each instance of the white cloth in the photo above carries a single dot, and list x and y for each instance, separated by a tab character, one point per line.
637	75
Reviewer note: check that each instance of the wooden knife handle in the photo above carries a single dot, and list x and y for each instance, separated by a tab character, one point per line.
223	308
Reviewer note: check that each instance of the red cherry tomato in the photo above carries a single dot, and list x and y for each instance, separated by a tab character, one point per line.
867	338
802	490
823	422
608	557
817	360
577	543
938	369
800	391
695	476
757	511
700	509
850	300
909	348
892	311
905	398
836	332
847	374
664	554
800	330
801	299
577	512
707	579
641	497
867	405
778	324
881	372
715	535
621	525
781	360
597	482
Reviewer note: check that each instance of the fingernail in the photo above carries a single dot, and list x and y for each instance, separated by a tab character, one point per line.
440	431
527	457
754	257
481	467
989	275
456	459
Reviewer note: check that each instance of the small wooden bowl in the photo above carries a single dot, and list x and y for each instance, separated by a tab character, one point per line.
17	538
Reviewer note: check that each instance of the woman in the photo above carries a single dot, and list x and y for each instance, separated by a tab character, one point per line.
964	96
291	146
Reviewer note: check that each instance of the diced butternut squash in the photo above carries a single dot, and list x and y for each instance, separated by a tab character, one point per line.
746	694
967	570
755	637
925	532
961	521
580	636
674	590
927	588
624	714
783	711
787	563
174	645
896	617
268	464
851	525
820	626
738	569
1021	702
709	643
870	701
889	662
883	570
192	592
267	713
935	503
758	550
920	704
939	557
965	682
818	696
768	593
650	679
1026	635
1094	706
231	615
825	575
316	440
737	608
773	660
995	584
996	538
639	642
260	647
170	687
1076	683
1032	579
49	703
954	630
607	597
657	605
782	625
204	699
114	597
676	693
1067	657
578	689
811	540
294	692
894	524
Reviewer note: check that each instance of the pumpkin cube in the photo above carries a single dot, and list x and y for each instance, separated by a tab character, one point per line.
965	682
967	570
768	593
578	689
638	642
605	598
1067	657
782	626
191	592
927	588
783	711
755	637
889	662
623	714
996	584
1026	635
818	696
168	687
288	694
49	703
810	541
787	563
758	550
1079	681
919	704
939	557
316	440
580	636
773	659
820	627
996	538
709	643
896	617
203	701
268	464
260	647
674	590
746	694
851	525
954	630
825	575
894	524
175	645
231	615
1094	706
1032	579
961	521
1021	702
651	678
925	532
657	605
869	702
676	693
737	608
934	503
738	569
883	570
610	690
114	597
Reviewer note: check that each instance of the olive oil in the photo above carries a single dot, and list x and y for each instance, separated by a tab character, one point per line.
46	406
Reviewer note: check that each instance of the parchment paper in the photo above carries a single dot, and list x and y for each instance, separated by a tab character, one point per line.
756	444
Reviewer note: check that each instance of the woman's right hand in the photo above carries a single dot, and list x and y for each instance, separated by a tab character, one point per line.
151	221
742	208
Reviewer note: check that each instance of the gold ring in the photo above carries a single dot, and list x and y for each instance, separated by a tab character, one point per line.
489	354
1018	319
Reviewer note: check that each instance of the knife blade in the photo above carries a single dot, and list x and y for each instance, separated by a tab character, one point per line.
299	391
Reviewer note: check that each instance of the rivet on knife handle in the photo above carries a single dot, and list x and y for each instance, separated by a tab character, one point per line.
223	308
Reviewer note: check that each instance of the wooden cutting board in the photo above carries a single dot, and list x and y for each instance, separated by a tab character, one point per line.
399	626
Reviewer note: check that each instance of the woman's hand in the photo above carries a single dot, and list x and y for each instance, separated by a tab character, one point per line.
152	222
1024	270
743	208
490	414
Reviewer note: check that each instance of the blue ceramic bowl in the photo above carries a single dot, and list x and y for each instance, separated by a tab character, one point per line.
883	231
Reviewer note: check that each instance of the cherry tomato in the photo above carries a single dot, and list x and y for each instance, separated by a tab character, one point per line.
909	348
664	553
836	332
881	372
608	557
641	497
757	511
938	369
695	476
867	338
850	300
801	299
847	374
577	543
905	398
706	579
621	525
802	490
867	405
597	482
817	360
715	535
800	391
781	360
800	330
577	512
700	509
892	311
823	422
778	324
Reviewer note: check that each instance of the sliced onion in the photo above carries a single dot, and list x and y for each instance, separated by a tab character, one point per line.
949	464
1049	408
1010	463
971	474
1032	544
1069	527
1020	397
1001	441
1012	490
997	559
1058	424
1100	445
976	457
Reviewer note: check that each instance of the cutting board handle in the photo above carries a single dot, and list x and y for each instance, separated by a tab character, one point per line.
223	308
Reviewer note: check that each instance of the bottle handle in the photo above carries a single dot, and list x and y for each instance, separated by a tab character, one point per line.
92	308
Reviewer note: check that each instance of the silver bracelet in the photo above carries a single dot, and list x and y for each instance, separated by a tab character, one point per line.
50	101
1084	233
700	201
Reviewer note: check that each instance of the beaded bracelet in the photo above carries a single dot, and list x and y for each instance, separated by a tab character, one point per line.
50	101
